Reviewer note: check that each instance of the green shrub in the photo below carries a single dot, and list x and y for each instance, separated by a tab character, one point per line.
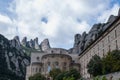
54	72
69	78
104	78
95	66
108	64
72	74
111	62
37	76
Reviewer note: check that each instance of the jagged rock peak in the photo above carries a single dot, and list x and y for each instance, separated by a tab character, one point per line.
119	12
77	39
84	34
45	45
95	27
24	41
111	18
36	44
17	39
31	43
15	42
36	40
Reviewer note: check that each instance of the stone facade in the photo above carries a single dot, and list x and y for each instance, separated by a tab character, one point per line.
43	62
108	41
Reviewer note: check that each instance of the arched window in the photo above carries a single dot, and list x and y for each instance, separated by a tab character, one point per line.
56	63
52	51
39	69
64	63
32	69
38	58
60	51
48	63
36	69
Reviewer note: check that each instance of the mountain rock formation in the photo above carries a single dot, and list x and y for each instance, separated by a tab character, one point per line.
33	43
24	42
81	42
45	45
13	60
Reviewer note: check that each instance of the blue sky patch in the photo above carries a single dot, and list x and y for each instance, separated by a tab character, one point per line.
44	19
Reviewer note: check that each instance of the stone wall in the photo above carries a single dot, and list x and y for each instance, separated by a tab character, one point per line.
60	61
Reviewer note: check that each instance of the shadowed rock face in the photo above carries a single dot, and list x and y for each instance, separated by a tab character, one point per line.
45	45
36	45
15	42
13	60
24	41
77	39
33	43
119	12
81	42
111	18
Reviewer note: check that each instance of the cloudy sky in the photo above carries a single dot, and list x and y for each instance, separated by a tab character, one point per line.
57	20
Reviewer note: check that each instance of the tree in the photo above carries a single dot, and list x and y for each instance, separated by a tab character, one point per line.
54	72
72	74
69	78
95	66
60	76
111	62
37	76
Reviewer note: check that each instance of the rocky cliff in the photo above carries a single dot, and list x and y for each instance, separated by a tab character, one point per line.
13	60
81	42
45	45
33	43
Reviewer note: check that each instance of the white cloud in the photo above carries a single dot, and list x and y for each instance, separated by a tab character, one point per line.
7	26
105	15
5	19
64	18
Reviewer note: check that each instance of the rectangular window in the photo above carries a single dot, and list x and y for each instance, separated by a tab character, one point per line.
116	45
39	69
103	43
32	69
98	47
109	48
103	52
108	39
115	34
36	69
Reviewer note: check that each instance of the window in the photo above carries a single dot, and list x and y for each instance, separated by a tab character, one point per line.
36	69
56	63
103	43
60	52
73	61
39	69
52	51
108	39
37	58
103	52
64	68
32	69
115	34
98	47
109	48
48	63
116	45
64	63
